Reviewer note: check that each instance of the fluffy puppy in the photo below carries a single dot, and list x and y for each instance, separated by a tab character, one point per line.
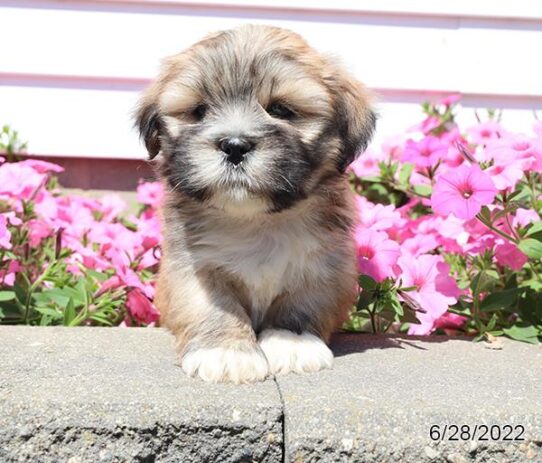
253	131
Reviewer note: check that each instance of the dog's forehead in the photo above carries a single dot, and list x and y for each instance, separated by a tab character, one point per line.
261	61
251	52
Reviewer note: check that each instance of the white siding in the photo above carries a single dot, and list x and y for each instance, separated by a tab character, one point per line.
70	71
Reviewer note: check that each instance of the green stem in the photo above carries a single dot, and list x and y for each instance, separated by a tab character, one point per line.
373	321
408	191
457	312
532	187
387	327
507	217
496	230
534	271
31	290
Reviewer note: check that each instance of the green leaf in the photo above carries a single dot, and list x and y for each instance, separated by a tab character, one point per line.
531	248
495	333
51	313
530	307
485	214
69	313
518	195
482	282
58	296
397	306
371	179
367	283
7	296
365	299
423	190
405	173
528	333
81	289
512	281
535	228
102	320
45	320
21	290
491	325
99	276
501	300
409	316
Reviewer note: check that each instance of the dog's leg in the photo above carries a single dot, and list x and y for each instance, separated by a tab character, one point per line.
288	351
214	335
297	328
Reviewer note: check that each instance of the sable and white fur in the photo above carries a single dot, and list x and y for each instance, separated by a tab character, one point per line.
258	263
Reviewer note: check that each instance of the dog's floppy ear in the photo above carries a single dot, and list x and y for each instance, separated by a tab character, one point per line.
355	117
148	122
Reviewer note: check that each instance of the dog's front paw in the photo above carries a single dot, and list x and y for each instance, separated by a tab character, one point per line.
223	364
287	351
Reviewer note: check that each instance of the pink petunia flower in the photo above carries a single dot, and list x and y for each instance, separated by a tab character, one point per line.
508	254
505	176
19	182
112	205
392	147
425	153
377	216
149	230
518	148
524	217
454	157
450	322
43	167
419	244
5	234
377	254
450	99
38	230
140	307
462	191
483	132
7	276
12	218
367	164
150	258
428	124
434	290
150	193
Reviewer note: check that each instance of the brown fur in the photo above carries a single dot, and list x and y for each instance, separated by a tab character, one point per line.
270	248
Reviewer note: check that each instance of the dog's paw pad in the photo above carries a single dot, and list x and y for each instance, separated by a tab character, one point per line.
221	364
287	351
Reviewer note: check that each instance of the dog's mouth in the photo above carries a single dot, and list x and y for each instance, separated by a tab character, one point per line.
240	168
235	175
241	182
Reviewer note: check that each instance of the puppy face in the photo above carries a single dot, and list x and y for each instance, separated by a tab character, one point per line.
252	120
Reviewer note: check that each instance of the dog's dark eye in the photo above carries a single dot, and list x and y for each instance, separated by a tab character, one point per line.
199	112
280	110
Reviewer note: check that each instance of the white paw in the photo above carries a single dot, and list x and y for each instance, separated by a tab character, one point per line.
287	351
219	364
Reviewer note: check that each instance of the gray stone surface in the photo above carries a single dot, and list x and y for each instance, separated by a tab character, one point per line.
384	394
116	395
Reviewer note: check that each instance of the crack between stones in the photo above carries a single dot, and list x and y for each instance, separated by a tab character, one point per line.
282	419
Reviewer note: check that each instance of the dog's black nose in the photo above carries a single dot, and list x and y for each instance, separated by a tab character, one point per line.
235	148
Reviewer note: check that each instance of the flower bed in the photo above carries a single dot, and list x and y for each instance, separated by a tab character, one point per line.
449	238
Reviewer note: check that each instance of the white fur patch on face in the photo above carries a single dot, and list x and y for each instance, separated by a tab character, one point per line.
219	364
287	351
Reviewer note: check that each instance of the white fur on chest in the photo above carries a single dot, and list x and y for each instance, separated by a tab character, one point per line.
267	259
